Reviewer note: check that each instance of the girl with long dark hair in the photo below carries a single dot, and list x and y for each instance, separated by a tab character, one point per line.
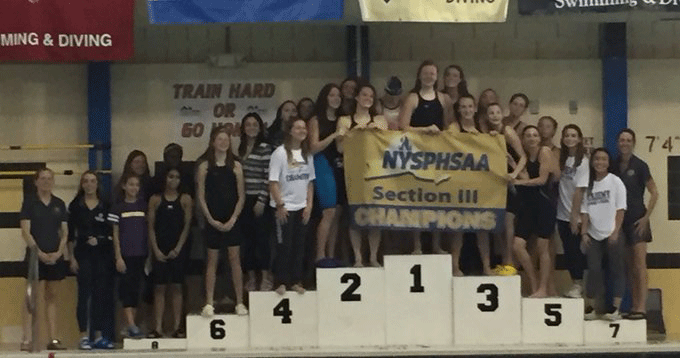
169	219
91	246
572	185
136	164
255	155
455	84
323	132
291	173
286	111
602	215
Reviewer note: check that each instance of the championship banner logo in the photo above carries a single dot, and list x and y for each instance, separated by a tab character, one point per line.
415	181
434	10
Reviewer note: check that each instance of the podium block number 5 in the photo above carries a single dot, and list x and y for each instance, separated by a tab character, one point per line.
349	295
417	280
217	329
283	310
554	315
491	291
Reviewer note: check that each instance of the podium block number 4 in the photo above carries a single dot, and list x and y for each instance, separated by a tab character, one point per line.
283	310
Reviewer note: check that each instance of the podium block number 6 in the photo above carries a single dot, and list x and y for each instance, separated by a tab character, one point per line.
217	329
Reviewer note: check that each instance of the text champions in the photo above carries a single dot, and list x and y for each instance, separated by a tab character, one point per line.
418	218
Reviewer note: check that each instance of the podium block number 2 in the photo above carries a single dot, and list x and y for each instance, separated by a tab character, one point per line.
349	294
283	310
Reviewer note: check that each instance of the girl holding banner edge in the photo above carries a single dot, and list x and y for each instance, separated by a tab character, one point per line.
364	116
323	132
429	111
536	216
492	122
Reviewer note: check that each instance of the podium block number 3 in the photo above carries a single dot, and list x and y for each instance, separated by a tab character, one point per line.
283	310
491	291
217	329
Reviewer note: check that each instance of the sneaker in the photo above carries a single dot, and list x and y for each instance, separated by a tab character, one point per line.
614	316
634	316
103	343
134	332
590	315
241	309
154	334
55	345
576	291
85	344
208	311
505	270
179	333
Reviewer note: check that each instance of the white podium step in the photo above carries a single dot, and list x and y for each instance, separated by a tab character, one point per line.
290	320
154	344
552	321
622	331
220	331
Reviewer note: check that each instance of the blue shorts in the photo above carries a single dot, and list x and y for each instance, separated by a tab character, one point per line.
324	185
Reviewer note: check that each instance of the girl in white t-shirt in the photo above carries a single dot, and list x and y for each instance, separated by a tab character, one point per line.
291	174
602	215
573	183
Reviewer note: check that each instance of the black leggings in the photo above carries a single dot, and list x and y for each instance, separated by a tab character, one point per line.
129	286
96	274
571	243
290	249
255	247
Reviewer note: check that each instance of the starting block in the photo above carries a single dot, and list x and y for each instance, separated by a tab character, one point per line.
351	306
290	320
219	332
552	320
487	310
418	300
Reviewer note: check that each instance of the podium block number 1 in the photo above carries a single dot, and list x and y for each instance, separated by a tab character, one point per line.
417	280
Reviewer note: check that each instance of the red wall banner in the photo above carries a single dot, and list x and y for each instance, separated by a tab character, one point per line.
66	30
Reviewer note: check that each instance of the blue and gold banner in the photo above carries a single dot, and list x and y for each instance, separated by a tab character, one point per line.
416	181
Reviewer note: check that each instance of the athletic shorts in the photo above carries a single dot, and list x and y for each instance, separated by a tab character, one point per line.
216	240
56	272
535	217
324	184
631	237
170	271
511	201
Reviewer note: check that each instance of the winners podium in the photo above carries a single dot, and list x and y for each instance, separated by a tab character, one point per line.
412	301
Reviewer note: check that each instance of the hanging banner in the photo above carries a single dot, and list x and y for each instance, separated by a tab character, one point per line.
73	30
205	11
434	10
543	7
202	105
417	181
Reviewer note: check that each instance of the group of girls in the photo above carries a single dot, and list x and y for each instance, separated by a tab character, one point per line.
261	198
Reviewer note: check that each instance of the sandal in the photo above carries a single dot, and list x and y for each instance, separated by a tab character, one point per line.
636	316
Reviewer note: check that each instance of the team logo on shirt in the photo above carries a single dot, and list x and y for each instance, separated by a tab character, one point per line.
57	210
630	172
